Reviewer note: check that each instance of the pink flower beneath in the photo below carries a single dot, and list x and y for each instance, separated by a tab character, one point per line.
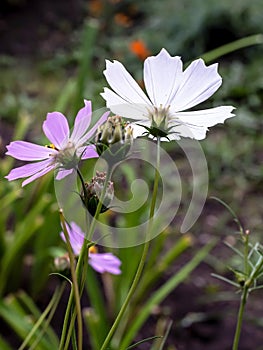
65	150
100	262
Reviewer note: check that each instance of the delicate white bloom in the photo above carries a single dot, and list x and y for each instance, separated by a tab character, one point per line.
171	91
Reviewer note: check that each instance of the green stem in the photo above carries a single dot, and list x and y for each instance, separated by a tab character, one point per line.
240	317
143	257
82	262
74	280
82	182
246	250
65	322
256	39
52	304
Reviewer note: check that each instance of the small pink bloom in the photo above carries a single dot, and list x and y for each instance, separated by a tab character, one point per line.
100	262
65	150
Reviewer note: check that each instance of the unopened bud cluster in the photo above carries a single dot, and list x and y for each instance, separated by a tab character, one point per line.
62	264
115	135
93	192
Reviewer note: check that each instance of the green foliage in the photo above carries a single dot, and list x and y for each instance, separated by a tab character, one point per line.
22	315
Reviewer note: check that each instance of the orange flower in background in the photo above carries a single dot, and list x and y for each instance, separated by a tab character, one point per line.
95	7
123	20
139	48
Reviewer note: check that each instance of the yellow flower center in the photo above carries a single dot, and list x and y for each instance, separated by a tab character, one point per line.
51	145
93	250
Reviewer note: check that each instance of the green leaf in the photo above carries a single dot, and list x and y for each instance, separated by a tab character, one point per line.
163	292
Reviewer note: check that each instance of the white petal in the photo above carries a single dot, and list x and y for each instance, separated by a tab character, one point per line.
139	130
124	86
162	77
197	85
123	108
195	124
184	130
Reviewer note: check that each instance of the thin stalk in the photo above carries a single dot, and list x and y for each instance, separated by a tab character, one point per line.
256	39
50	316
65	322
143	257
74	280
246	251
55	299
240	317
82	262
82	182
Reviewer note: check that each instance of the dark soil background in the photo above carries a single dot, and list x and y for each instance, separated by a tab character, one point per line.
32	28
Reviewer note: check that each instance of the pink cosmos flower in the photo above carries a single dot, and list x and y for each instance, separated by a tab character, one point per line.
65	150
100	262
170	93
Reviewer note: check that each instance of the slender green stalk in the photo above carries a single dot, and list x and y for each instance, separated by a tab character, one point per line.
66	332
160	294
256	39
74	280
54	301
143	257
246	251
240	317
82	262
82	182
65	323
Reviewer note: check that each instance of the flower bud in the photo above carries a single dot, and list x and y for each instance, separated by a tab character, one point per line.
115	137
93	191
62	263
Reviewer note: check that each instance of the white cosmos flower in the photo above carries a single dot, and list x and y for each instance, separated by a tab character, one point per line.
171	92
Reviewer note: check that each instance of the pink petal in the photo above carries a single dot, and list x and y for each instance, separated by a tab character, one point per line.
39	174
76	237
105	262
28	151
56	129
82	122
28	169
87	152
93	130
63	173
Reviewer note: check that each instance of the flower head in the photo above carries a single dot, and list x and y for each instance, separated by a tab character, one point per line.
100	262
93	191
171	91
114	139
65	150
